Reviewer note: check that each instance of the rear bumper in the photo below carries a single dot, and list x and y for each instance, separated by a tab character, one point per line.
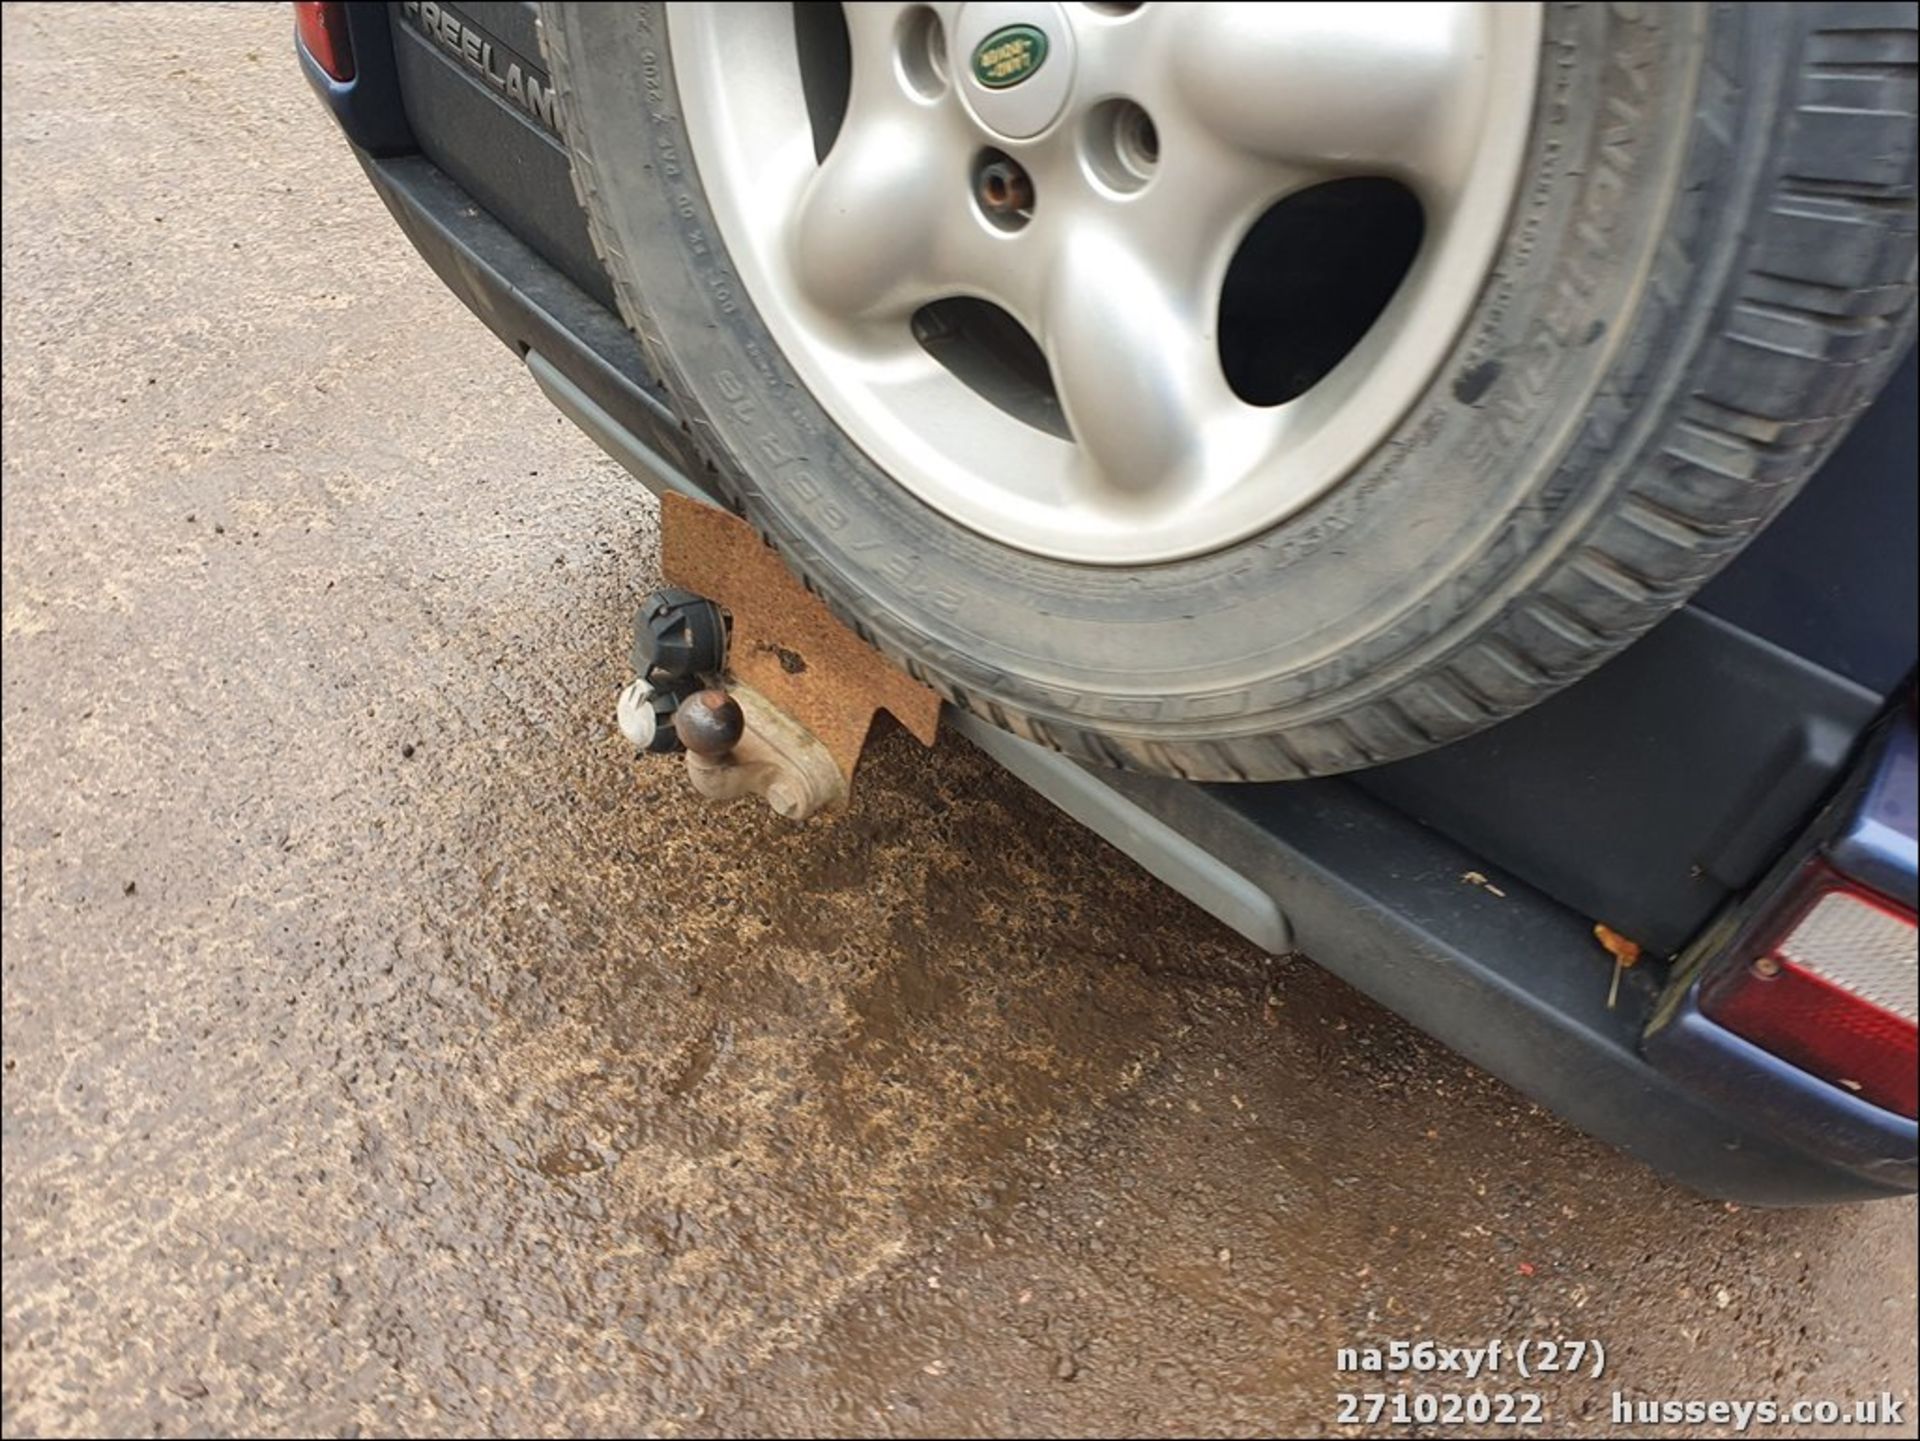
1513	981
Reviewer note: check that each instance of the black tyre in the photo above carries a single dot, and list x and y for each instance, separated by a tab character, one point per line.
1706	272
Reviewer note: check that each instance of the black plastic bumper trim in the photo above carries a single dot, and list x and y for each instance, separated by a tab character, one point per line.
1515	982
1189	868
653	469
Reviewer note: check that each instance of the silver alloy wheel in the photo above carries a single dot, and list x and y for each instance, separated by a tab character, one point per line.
1118	266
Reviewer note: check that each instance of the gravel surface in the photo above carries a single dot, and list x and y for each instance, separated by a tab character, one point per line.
387	1050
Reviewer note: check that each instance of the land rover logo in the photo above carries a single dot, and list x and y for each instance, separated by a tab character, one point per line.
1009	55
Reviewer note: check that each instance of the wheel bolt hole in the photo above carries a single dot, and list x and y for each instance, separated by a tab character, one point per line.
920	43
1003	190
1142	140
1120	145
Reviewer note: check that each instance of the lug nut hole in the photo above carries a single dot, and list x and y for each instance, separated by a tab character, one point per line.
1121	145
1002	189
920	43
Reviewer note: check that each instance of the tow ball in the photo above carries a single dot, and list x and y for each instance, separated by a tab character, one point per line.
745	672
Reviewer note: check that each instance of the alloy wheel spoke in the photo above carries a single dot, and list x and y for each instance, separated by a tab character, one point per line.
883	223
867	227
1134	360
1343	88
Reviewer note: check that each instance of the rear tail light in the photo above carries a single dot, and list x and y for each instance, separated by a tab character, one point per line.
1834	991
322	29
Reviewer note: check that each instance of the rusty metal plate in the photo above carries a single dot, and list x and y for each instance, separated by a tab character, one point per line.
785	643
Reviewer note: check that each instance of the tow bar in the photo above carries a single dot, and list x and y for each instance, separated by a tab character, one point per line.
747	673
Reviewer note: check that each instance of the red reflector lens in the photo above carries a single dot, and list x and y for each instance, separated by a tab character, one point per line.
1835	996
322	29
